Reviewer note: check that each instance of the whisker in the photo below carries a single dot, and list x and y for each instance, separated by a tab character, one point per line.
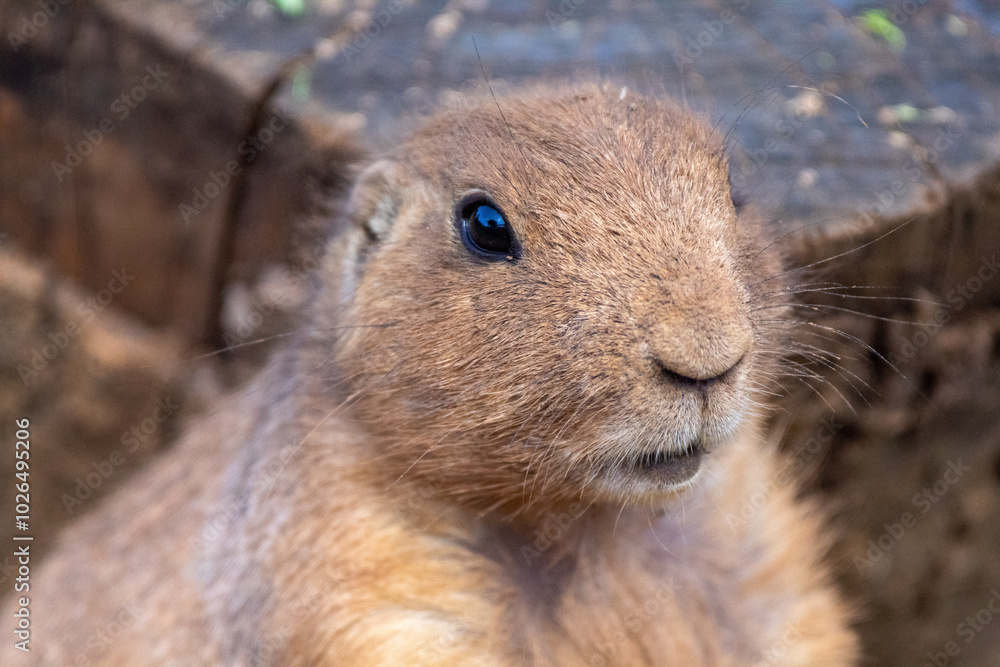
502	116
817	376
838	256
786	235
840	370
818	306
265	339
836	97
827	288
873	351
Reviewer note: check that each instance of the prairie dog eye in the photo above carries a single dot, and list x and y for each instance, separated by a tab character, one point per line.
484	228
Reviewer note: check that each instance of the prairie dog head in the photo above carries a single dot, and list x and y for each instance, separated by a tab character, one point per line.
552	306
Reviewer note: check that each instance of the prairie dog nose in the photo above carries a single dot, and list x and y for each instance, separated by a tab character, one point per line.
701	354
699	338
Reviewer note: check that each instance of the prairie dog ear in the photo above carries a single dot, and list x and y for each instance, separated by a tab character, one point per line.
374	202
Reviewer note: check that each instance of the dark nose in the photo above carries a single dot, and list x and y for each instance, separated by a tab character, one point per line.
675	378
700	340
702	354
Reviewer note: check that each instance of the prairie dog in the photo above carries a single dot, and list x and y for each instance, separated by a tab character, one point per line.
517	431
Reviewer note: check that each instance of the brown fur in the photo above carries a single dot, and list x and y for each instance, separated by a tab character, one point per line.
443	469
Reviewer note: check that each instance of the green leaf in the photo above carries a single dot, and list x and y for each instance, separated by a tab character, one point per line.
290	7
877	22
906	113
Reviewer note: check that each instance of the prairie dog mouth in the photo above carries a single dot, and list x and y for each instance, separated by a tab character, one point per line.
654	472
669	468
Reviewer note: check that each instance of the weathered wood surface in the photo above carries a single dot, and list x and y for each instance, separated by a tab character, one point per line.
123	149
899	435
103	394
747	64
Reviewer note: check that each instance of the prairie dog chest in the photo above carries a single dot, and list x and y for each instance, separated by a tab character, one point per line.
645	595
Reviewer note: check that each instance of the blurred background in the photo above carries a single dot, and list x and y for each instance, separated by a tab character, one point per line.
168	170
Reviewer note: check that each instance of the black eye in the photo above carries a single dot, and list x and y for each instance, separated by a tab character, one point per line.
485	229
